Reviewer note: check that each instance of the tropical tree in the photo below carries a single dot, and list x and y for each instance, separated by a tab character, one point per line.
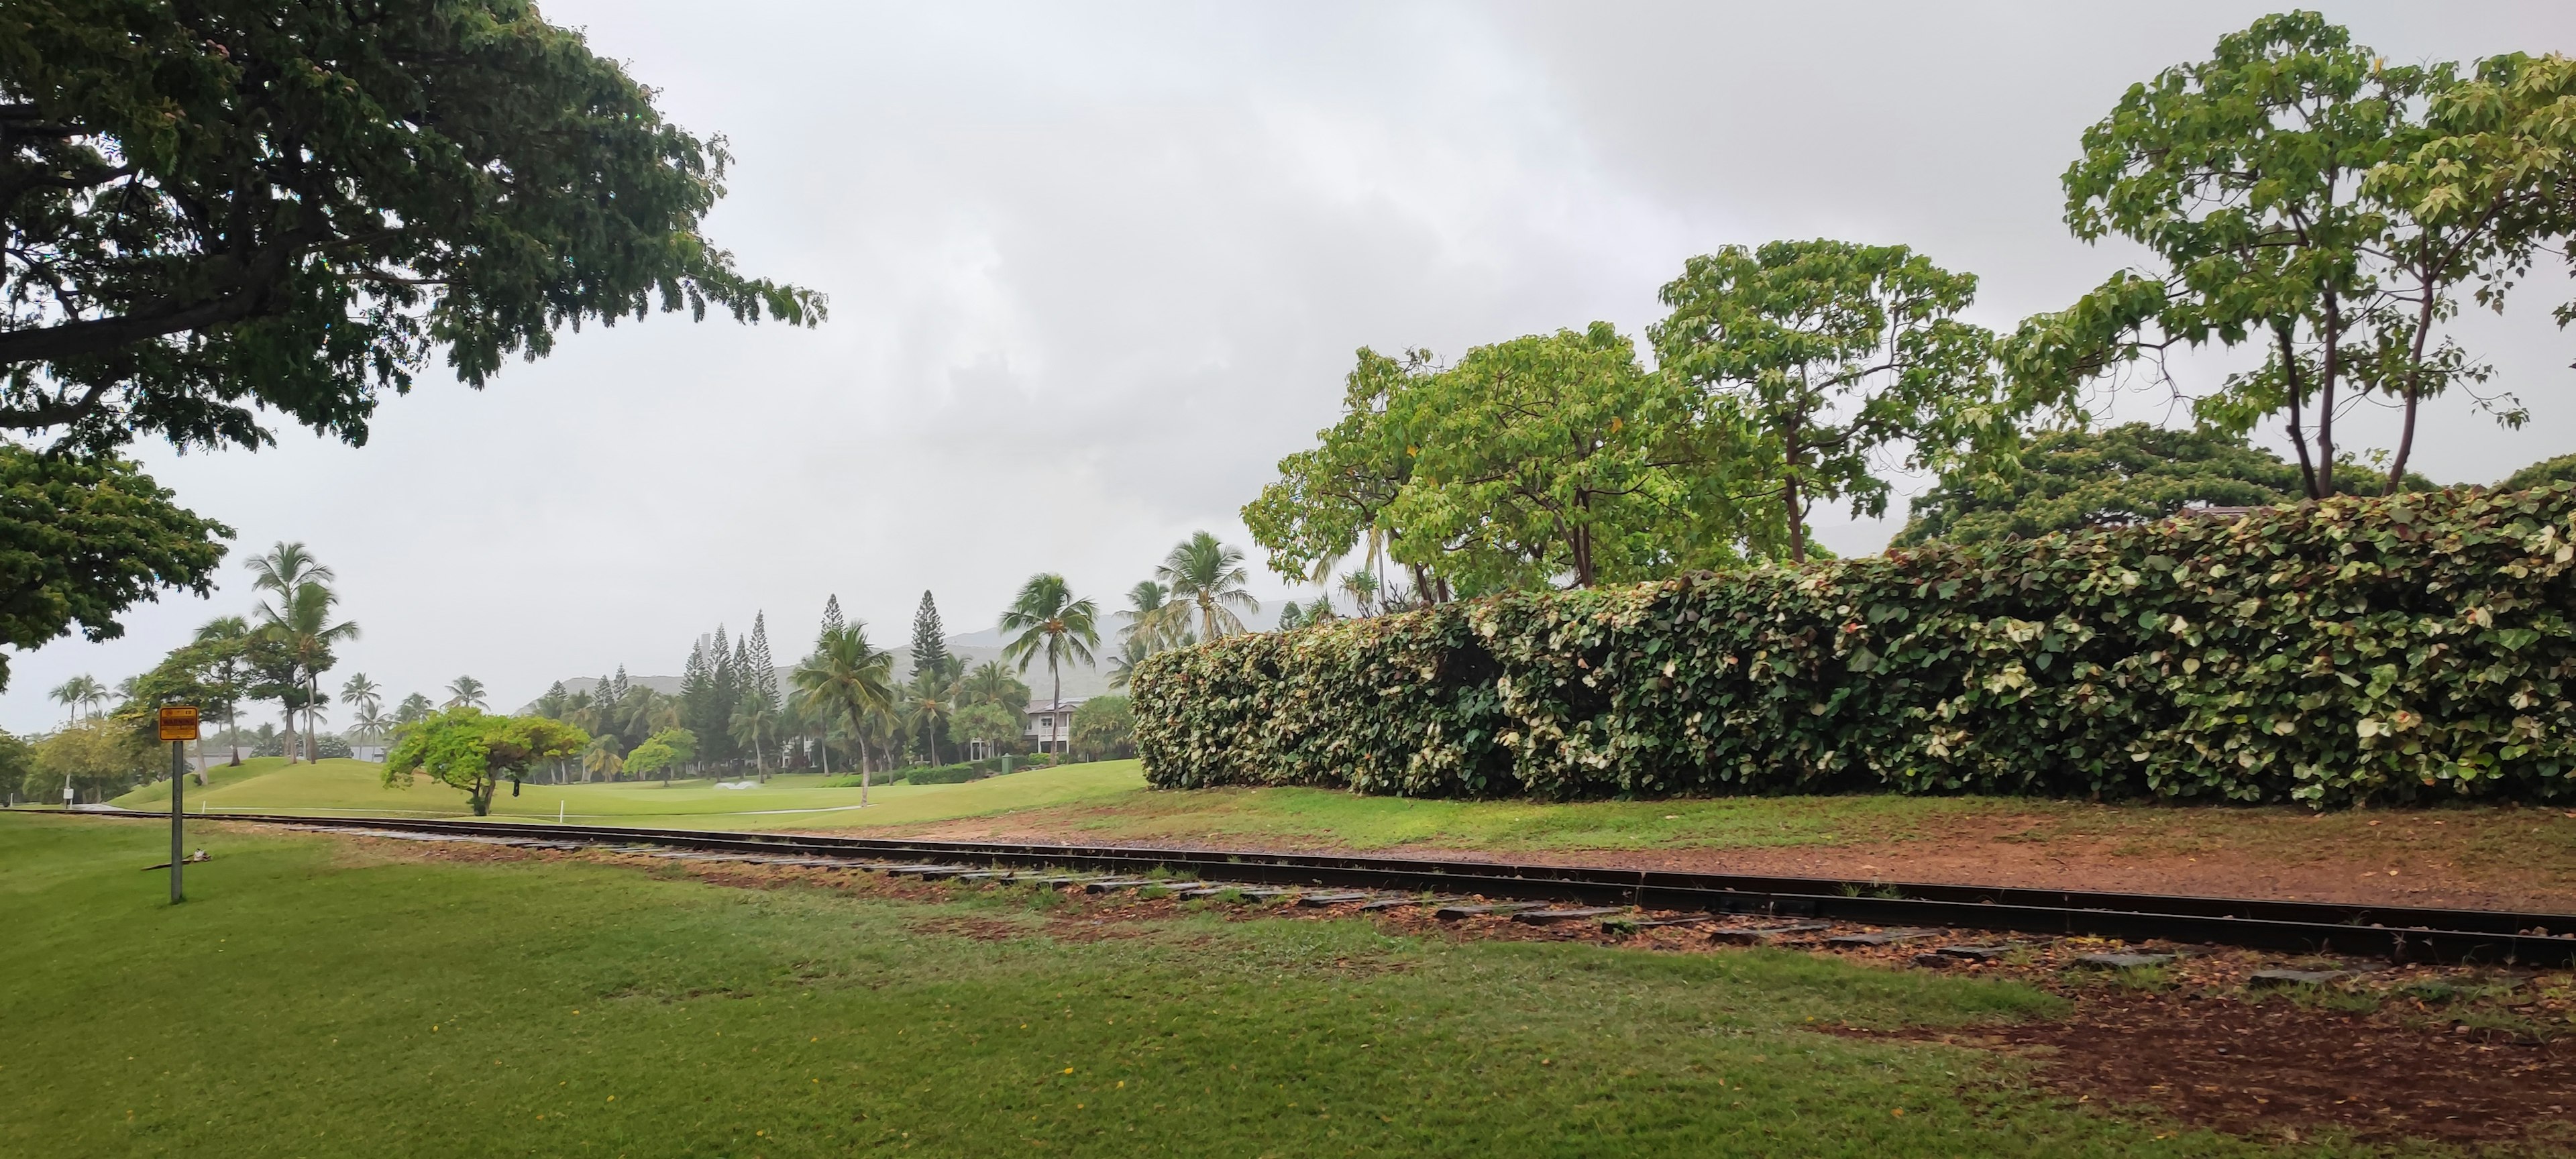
465	692
413	709
299	617
601	760
2131	473
1132	652
285	567
85	538
1361	587
1817	359
80	696
753	719
991	683
990	724
662	752
928	700
847	678
1104	729
1154	620
2306	197
202	240
1209	576
1050	622
373	724
475	752
232	634
362	693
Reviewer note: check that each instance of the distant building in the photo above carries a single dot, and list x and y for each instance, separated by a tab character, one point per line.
1049	727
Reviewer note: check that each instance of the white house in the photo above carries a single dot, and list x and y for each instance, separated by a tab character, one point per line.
1050	726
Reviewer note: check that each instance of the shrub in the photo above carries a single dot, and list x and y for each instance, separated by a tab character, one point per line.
946	775
1104	729
2349	650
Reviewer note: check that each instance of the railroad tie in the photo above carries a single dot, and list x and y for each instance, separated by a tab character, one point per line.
1550	917
1762	935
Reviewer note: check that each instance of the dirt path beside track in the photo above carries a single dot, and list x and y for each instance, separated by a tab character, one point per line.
2460	861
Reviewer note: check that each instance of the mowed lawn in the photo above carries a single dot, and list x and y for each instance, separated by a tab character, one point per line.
318	998
342	787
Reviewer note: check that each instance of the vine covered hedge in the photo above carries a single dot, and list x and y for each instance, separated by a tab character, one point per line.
2354	650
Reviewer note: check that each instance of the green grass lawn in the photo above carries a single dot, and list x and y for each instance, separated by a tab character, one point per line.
347	786
314	999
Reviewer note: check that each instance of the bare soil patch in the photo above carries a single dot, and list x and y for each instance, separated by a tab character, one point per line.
2281	1070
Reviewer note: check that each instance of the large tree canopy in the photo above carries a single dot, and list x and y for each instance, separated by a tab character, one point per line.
214	207
1830	355
2330	209
82	540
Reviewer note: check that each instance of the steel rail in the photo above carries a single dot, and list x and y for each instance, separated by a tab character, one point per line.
2397	933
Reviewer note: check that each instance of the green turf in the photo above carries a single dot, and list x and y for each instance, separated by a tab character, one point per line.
1345	819
313	1000
347	786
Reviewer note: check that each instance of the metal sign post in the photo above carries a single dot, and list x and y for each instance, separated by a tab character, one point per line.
178	726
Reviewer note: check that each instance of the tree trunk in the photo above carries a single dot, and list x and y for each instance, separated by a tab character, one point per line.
2414	391
1789	495
2333	363
863	762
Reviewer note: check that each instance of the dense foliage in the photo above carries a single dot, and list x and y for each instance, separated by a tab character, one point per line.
2384	649
81	541
211	209
1104	729
2313	200
2130	473
473	751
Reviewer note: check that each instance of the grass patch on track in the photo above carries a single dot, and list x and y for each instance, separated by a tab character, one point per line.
315	998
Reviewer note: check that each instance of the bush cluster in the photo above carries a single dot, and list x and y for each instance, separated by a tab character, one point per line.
2345	651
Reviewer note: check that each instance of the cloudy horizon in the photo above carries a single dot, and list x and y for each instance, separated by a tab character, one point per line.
1093	270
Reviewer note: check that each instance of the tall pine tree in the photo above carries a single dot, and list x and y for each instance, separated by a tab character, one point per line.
831	616
764	667
929	642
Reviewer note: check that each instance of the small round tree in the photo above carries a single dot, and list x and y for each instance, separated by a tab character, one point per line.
475	751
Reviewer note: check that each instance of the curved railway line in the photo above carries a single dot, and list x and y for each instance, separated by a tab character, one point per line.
1811	905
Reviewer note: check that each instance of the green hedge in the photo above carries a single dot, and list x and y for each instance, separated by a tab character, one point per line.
2352	650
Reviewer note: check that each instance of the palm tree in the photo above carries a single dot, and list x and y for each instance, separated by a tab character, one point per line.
1152	617
1049	620
1122	667
990	683
751	719
372	723
602	759
847	677
77	693
1362	588
927	701
416	708
362	692
1210	576
231	631
286	567
301	619
466	692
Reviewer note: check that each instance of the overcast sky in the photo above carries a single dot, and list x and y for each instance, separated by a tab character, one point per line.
1094	268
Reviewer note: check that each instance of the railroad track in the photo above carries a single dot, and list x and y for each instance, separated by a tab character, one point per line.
2395	933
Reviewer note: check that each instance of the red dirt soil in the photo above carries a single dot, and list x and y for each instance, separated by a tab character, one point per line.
2277	1069
1987	853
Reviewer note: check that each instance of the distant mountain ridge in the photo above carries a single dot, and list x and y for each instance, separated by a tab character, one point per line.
1080	682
